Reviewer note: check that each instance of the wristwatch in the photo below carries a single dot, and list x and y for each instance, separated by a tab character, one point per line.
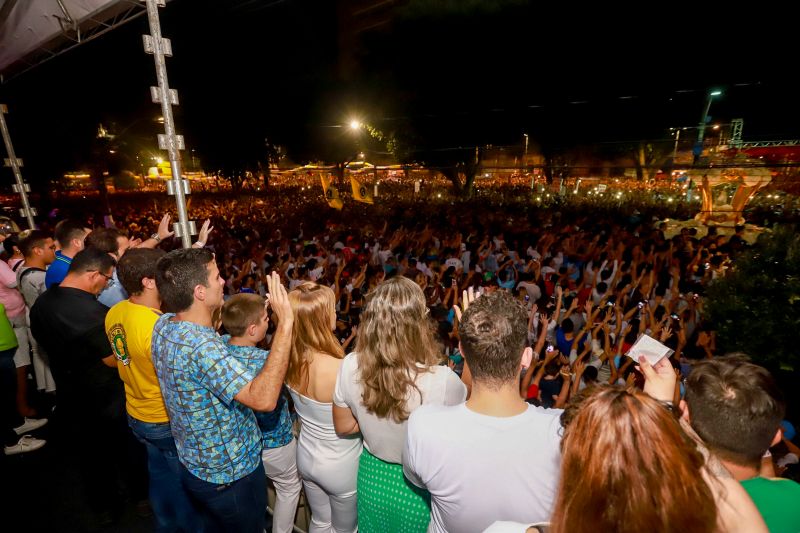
156	237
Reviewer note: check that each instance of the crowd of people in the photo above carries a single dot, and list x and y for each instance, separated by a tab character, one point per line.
406	367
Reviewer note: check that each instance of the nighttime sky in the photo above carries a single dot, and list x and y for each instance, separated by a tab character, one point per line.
441	72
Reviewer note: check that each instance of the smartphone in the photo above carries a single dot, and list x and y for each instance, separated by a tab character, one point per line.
641	305
527	298
673	316
695	297
609	304
550	348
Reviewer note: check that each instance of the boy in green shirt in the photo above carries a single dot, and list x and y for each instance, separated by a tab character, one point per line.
736	408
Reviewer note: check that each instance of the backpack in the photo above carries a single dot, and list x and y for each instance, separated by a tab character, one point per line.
27	271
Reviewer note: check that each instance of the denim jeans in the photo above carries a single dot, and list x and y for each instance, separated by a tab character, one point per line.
239	506
172	508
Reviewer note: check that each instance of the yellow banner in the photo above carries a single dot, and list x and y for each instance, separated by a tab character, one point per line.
330	192
361	192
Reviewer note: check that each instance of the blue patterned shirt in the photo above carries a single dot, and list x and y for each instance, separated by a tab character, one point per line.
276	425
218	439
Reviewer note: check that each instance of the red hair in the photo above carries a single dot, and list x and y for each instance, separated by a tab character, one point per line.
627	466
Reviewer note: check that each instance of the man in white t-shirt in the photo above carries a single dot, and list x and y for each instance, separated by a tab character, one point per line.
494	457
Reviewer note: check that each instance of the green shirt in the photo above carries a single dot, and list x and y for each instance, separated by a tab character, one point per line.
8	339
777	501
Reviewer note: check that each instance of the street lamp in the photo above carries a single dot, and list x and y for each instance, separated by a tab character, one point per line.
701	128
677	138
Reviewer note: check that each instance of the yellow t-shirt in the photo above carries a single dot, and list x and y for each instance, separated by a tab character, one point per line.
129	328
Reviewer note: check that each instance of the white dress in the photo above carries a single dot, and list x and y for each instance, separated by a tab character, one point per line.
328	465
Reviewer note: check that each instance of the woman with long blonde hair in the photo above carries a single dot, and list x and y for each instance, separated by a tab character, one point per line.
327	463
394	369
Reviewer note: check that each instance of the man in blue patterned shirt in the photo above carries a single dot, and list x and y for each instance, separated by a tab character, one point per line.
210	396
245	318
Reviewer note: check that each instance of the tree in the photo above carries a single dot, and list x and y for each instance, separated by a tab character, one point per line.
459	165
756	308
273	154
648	158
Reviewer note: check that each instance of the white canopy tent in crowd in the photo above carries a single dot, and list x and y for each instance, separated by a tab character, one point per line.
35	31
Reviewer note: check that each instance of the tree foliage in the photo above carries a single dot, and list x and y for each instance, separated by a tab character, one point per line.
756	308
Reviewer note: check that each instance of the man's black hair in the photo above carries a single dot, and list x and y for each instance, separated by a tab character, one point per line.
178	273
91	260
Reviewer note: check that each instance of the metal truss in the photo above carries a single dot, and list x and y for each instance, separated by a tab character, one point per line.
74	34
769	144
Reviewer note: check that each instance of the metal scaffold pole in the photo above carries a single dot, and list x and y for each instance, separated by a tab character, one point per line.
20	186
161	48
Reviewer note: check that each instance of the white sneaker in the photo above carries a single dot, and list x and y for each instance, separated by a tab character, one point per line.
26	444
30	425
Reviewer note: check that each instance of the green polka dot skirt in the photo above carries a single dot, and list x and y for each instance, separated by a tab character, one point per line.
387	502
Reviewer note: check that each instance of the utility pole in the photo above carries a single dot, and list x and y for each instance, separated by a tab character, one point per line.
161	48
701	128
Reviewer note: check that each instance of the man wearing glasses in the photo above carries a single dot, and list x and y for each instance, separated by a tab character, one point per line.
69	322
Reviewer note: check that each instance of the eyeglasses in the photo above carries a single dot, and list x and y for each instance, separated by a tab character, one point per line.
108	278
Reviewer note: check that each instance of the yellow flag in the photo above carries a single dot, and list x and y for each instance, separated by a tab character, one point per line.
361	193
331	194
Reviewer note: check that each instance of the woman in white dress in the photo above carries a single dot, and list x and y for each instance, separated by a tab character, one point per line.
395	369
328	464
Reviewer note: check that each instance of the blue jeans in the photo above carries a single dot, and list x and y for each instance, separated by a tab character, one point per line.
172	508
239	506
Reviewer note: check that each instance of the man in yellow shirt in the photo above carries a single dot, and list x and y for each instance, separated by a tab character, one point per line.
129	326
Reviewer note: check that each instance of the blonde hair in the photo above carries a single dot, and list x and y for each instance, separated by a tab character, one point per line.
395	334
314	310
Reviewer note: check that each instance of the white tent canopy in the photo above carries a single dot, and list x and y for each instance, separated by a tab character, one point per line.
33	31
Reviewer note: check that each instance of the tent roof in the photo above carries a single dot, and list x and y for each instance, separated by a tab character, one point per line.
34	31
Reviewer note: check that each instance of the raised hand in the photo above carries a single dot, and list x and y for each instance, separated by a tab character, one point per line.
163	228
205	231
467	297
659	379
279	300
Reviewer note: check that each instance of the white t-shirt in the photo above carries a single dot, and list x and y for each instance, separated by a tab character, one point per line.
480	468
533	290
383	437
455	263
